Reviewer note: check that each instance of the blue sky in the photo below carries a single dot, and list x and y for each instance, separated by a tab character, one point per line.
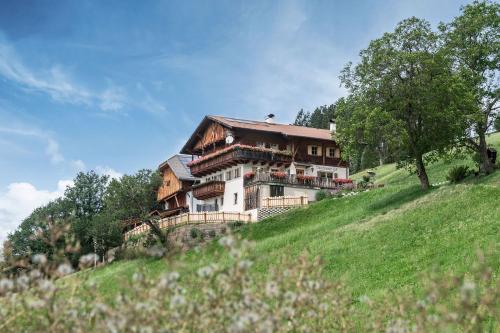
117	86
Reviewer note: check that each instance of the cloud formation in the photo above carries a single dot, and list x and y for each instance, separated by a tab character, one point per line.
56	83
20	199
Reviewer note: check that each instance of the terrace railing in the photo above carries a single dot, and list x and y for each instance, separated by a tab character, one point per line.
192	218
282	178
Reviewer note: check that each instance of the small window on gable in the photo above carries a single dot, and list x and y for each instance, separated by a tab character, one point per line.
314	150
167	183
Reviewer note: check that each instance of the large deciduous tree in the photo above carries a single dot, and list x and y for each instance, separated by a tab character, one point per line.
405	82
134	196
473	40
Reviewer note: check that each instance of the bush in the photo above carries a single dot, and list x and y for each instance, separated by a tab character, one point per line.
235	225
196	233
458	173
322	194
212	233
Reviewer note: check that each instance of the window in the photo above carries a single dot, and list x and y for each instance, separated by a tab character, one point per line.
335	175
275	146
167	183
277	190
235	198
314	150
300	171
327	175
222	201
229	175
237	173
331	152
261	144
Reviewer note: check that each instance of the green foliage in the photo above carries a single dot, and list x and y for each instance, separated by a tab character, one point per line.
472	40
458	173
322	194
196	233
404	96
319	118
497	123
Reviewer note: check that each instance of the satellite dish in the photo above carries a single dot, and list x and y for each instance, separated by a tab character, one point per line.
229	139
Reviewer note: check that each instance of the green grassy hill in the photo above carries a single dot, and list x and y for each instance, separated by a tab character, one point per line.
375	241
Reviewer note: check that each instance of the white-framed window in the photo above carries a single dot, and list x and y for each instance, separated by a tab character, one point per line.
235	198
275	146
330	152
261	144
314	150
237	173
229	175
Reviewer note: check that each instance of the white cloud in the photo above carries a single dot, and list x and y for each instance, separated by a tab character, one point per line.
56	83
78	165
112	173
112	99
20	199
53	151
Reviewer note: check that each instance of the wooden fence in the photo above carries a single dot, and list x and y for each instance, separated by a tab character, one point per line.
193	218
284	201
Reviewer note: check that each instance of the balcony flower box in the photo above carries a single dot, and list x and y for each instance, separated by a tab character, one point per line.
249	175
278	175
343	181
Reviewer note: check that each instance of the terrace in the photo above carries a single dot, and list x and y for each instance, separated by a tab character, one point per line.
237	154
296	180
209	189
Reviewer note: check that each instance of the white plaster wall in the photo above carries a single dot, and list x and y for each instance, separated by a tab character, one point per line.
231	187
192	202
314	169
297	192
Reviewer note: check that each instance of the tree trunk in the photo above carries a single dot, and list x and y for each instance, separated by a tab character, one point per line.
485	165
422	173
158	232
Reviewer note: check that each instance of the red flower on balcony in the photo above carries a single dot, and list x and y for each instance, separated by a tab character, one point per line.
305	178
249	175
278	175
343	181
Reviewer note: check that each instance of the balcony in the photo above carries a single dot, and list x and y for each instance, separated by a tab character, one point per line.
207	208
300	181
209	190
234	155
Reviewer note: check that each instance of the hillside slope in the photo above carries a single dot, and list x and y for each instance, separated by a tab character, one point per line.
376	241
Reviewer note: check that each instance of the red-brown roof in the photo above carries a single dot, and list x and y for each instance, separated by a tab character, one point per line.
283	129
288	130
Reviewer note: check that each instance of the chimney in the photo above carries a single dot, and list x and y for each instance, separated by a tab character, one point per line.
270	118
333	126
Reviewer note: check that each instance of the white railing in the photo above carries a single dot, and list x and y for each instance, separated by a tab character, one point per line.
192	218
284	201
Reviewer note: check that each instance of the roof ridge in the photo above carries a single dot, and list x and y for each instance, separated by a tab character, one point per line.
264	122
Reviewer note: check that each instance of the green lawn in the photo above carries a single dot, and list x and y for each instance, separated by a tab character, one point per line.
375	241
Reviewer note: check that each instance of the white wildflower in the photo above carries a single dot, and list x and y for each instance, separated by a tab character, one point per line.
272	289
89	260
205	272
245	264
177	301
46	285
64	269
6	285
39	259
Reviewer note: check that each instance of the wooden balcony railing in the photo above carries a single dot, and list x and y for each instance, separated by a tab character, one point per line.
209	189
234	155
310	182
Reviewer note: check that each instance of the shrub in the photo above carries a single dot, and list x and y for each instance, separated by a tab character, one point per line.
322	194
212	233
196	233
458	173
235	225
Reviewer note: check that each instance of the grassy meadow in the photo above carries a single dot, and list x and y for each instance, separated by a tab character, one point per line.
377	241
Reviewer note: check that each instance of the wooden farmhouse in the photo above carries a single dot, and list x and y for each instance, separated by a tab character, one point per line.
240	162
175	192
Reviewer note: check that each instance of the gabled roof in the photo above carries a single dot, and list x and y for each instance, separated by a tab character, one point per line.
178	164
262	126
